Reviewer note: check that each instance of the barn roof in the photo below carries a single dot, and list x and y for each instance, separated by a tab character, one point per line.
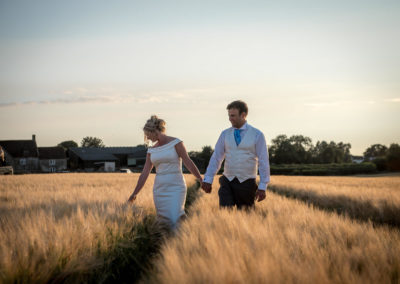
51	153
123	150
107	153
140	153
93	154
20	148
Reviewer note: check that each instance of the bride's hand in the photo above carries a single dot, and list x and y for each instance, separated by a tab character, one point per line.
132	198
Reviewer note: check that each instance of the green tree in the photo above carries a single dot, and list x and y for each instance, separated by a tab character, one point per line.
201	159
301	148
393	157
281	150
324	153
206	153
92	142
343	153
375	151
296	149
68	144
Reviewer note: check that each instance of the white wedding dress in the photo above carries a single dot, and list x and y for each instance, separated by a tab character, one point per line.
169	191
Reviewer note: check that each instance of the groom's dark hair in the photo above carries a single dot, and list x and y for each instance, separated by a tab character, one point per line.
239	105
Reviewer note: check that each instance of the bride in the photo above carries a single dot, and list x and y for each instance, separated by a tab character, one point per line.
169	191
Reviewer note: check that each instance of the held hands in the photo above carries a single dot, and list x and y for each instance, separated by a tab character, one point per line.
206	187
260	195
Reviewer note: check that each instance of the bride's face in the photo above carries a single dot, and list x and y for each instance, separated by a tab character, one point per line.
152	136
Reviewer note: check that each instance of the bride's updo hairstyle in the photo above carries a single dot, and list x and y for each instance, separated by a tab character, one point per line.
154	123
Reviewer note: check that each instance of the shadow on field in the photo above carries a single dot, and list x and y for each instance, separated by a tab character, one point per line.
382	213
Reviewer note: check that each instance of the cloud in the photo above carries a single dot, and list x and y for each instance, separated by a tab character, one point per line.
326	104
59	101
393	100
109	95
339	103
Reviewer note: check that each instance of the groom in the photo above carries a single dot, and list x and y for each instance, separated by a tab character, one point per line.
244	148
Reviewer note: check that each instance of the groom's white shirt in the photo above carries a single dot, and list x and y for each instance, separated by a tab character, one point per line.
261	153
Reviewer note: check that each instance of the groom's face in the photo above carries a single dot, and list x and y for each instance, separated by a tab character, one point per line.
235	118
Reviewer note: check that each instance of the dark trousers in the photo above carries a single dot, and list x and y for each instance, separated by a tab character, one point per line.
233	193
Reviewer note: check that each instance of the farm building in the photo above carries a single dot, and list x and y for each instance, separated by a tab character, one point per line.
128	156
52	159
357	159
22	155
137	158
90	159
98	159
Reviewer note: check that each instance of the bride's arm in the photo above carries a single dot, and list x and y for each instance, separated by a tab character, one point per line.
142	179
181	150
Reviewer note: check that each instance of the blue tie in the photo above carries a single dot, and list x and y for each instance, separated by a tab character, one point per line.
237	136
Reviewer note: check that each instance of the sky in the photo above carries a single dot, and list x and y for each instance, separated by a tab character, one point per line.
329	70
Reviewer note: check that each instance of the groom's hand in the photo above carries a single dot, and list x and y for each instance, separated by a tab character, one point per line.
206	187
260	195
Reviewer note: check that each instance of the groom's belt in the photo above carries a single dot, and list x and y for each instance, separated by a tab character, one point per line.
235	178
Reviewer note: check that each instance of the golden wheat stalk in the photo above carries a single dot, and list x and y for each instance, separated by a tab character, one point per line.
282	241
375	199
57	225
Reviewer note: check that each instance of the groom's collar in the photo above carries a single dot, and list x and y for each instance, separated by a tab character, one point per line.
244	126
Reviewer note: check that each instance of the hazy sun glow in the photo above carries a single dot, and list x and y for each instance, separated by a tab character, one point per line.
327	70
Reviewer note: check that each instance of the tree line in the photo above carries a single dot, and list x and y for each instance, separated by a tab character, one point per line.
385	158
299	150
296	149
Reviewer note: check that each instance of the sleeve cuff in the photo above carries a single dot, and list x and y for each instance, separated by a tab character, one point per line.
208	179
262	186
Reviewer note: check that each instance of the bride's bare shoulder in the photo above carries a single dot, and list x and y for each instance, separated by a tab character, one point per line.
170	139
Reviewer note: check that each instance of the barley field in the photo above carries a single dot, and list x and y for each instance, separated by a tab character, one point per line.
54	226
282	241
68	228
366	198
